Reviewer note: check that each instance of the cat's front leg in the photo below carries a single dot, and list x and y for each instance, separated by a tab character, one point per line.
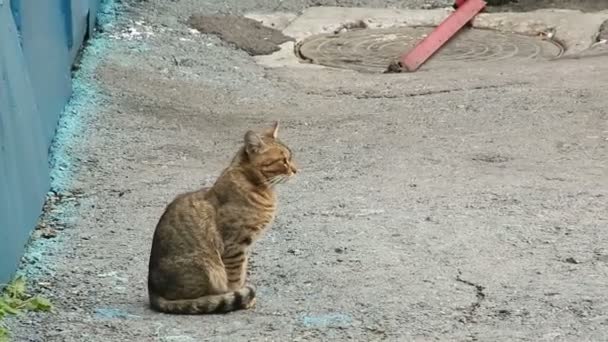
235	263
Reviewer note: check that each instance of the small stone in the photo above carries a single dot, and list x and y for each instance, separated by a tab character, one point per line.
504	312
339	250
293	251
571	260
48	233
375	329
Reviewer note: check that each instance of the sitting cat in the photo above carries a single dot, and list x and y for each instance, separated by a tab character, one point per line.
198	262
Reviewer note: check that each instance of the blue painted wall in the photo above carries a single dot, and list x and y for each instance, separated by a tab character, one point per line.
39	40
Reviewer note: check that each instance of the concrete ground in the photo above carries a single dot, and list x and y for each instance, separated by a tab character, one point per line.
444	205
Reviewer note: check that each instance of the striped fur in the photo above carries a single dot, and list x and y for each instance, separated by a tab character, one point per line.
220	303
201	245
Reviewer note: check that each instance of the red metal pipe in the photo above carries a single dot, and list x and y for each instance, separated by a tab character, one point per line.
468	9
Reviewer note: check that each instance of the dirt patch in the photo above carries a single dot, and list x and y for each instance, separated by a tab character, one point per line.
530	5
246	34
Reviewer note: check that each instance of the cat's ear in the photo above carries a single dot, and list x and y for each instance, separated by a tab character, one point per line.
274	131
253	143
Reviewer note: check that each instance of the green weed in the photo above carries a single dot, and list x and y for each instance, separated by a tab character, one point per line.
14	300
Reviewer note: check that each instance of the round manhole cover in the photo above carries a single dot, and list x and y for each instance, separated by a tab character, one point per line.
372	50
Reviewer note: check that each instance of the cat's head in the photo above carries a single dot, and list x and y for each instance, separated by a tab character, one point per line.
270	156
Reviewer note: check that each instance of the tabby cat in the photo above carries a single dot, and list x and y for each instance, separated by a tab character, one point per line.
198	262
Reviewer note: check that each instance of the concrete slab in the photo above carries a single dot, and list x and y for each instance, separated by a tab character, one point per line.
575	30
317	20
277	20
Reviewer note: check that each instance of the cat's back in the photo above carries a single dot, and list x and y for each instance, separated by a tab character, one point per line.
186	211
189	217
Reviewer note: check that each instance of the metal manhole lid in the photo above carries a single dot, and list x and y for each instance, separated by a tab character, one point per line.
372	50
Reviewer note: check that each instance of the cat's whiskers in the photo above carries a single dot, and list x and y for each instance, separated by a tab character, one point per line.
272	181
278	179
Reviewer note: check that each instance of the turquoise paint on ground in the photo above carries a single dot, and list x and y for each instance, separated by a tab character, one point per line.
108	11
85	97
327	320
111	313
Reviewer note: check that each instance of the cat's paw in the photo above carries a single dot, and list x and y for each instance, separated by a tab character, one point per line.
251	304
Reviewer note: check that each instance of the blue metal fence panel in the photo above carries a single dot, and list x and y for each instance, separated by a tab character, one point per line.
45	39
38	43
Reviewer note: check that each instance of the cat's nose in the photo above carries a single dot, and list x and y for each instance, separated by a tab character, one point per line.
294	169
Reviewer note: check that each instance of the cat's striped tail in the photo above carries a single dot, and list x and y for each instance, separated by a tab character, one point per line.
220	303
